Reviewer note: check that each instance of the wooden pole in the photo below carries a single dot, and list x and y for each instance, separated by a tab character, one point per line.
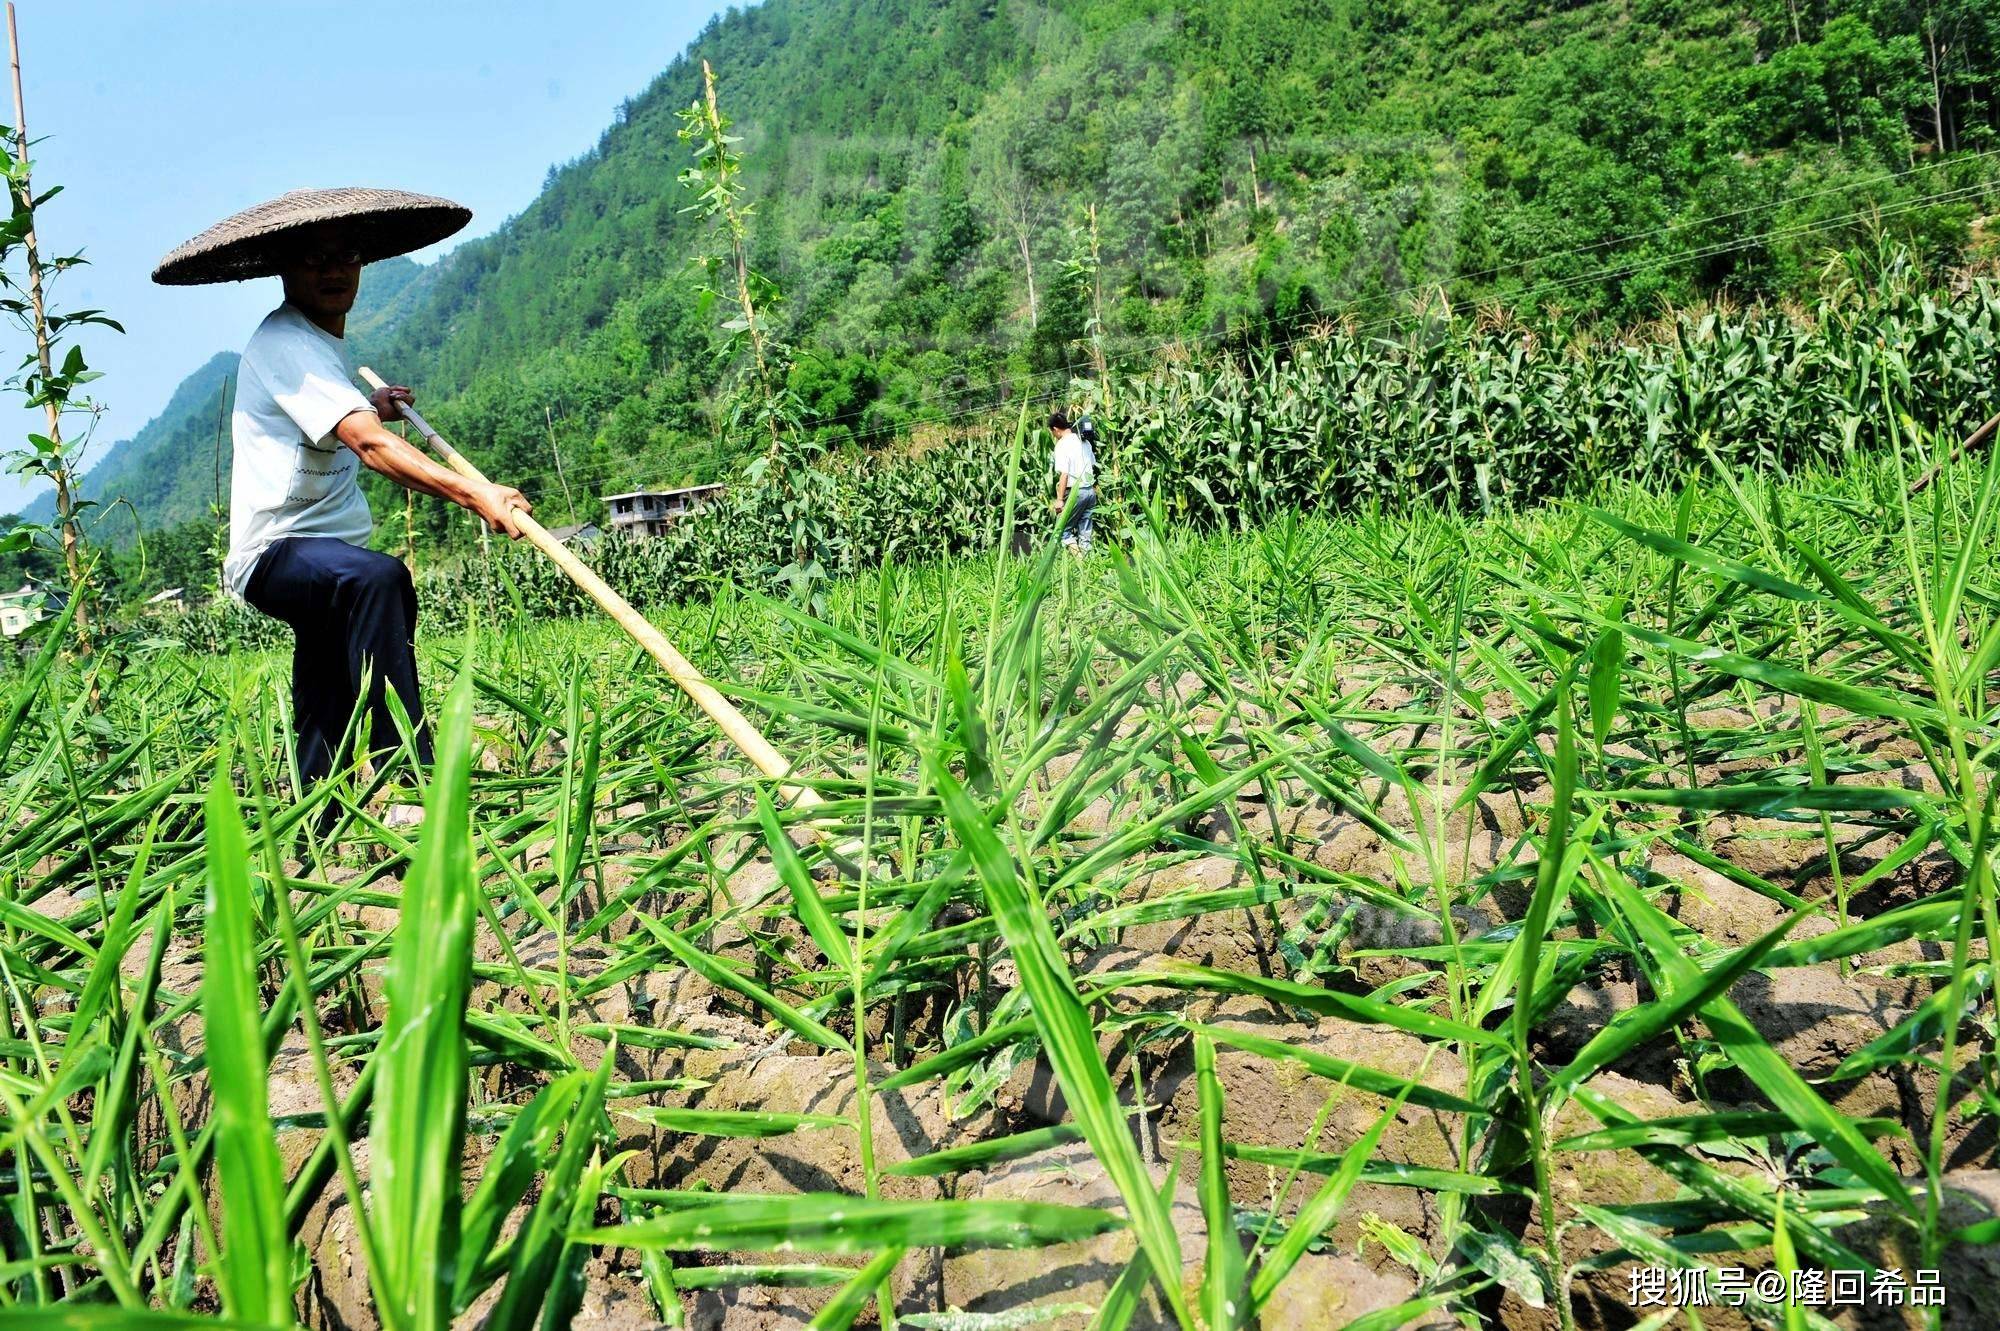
734	724
221	419
569	500
1972	441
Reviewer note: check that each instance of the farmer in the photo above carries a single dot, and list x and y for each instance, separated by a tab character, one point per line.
298	524
1075	467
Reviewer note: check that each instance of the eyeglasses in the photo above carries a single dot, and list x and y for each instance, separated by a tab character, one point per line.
330	258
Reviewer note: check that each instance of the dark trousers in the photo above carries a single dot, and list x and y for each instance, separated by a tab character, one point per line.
1077	523
353	614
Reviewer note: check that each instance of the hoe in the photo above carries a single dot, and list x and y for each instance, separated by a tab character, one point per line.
734	724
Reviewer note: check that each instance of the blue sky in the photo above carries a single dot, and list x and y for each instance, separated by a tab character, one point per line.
159	119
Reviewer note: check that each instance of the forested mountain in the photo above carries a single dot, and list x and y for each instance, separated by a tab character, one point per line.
924	172
388	290
958	199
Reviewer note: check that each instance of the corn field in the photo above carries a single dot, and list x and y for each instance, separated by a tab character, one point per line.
1417	917
1466	411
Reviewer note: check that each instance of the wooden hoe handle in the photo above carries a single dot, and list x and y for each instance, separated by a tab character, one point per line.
735	725
1972	441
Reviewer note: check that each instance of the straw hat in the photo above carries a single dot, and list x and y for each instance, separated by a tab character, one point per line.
257	242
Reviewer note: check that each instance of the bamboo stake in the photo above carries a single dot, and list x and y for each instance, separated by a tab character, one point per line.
734	724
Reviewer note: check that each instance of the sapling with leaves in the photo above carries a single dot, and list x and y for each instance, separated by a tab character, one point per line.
1083	273
51	375
716	181
800	493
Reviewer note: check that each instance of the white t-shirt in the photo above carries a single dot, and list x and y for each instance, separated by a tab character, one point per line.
291	475
1074	460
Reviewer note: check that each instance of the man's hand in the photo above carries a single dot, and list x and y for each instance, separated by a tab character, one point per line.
388	401
500	506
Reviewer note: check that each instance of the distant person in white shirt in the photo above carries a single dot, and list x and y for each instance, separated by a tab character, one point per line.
298	523
1076	470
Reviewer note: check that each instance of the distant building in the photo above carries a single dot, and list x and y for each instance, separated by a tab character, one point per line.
28	606
651	512
171	598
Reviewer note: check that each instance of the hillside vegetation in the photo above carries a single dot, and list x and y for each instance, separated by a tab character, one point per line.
1253	166
1459	416
925	173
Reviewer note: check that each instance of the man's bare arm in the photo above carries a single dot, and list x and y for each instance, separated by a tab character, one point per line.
402	462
